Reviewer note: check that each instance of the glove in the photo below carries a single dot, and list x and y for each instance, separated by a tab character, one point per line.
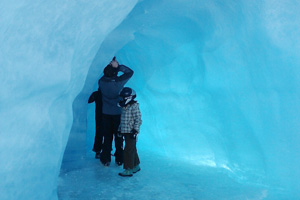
133	134
119	134
114	64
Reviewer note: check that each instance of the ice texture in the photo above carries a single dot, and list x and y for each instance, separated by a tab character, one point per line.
46	50
217	81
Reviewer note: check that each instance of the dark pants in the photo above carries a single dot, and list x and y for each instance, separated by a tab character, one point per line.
98	143
131	158
109	128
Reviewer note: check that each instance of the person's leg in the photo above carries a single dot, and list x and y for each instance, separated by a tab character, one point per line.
129	152
136	158
128	156
118	141
106	128
98	143
136	162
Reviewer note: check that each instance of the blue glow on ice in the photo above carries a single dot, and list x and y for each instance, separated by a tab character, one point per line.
218	84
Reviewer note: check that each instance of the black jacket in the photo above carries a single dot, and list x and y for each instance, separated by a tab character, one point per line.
97	98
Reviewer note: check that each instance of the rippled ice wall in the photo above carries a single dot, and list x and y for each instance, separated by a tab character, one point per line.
218	84
46	50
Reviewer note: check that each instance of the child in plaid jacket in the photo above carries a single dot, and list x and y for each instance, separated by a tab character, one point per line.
129	128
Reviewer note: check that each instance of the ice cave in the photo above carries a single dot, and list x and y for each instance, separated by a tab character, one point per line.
217	83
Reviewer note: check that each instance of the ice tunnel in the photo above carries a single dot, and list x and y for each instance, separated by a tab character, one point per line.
218	85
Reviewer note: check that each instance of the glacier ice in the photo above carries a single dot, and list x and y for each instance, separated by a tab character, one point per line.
46	50
218	85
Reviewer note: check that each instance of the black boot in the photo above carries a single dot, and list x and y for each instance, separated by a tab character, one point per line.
97	156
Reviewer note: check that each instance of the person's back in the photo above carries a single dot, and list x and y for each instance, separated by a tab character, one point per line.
110	85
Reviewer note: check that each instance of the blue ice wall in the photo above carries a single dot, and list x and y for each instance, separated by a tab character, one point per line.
218	83
46	50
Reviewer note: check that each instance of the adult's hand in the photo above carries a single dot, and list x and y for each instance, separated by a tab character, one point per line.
114	64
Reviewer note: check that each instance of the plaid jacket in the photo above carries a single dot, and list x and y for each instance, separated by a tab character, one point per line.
130	118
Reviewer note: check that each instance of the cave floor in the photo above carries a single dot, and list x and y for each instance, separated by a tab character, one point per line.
159	179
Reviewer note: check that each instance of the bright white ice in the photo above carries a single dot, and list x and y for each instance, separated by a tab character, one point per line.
217	81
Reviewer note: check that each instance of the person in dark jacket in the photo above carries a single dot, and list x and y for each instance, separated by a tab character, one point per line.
97	98
110	85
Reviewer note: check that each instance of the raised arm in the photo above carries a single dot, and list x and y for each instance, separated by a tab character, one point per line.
127	73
